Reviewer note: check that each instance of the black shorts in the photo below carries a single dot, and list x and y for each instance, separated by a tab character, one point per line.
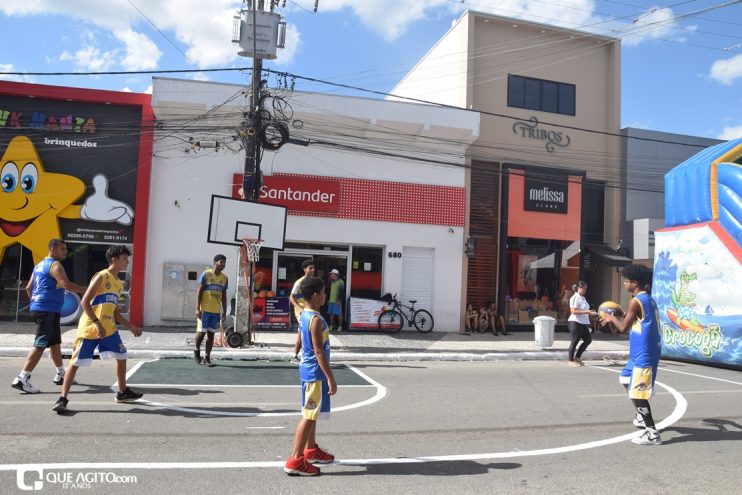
48	332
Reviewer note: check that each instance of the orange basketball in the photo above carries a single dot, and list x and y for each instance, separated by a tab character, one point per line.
609	308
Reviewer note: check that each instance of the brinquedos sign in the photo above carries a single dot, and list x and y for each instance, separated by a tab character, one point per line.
545	195
529	129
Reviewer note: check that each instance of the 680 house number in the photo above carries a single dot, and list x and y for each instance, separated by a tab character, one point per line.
394	254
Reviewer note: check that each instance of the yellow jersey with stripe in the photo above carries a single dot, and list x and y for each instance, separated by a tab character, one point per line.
214	287
104	305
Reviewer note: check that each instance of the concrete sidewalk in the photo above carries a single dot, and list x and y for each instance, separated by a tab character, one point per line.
408	345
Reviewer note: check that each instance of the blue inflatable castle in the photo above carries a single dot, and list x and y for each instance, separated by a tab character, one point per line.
698	258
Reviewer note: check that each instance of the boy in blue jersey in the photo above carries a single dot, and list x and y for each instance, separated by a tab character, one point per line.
317	382
45	290
639	374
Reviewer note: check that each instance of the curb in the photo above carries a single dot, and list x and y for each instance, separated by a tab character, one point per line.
340	356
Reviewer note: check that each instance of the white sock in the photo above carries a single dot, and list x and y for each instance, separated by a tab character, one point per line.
24	375
60	370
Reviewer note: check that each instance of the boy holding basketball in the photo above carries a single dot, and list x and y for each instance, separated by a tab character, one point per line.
317	382
639	374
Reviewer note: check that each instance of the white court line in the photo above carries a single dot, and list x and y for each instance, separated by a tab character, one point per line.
687	392
200	385
380	394
680	407
702	376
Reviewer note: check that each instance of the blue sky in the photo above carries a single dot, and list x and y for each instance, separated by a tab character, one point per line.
681	61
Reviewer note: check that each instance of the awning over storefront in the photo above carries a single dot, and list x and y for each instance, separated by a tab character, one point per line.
602	253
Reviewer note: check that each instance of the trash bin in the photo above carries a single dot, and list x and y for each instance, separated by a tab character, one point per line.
544	326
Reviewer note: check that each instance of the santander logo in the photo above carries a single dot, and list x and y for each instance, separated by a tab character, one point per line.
289	194
298	194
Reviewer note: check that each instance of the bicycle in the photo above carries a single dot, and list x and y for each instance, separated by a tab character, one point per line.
392	319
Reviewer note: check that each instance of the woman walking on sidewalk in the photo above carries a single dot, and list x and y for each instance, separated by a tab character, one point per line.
579	323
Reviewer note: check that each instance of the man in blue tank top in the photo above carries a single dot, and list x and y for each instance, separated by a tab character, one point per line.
45	290
645	343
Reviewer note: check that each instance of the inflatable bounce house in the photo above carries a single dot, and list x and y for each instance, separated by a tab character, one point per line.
697	280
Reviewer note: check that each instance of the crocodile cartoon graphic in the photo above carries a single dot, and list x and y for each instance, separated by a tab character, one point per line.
684	302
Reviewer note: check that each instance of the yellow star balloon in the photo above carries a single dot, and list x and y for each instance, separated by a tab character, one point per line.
33	200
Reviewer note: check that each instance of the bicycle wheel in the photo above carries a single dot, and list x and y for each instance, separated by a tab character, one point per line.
390	321
423	321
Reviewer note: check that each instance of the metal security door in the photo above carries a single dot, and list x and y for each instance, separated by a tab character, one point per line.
417	277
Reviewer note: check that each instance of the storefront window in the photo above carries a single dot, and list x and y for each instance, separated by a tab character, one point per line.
366	269
540	274
16	267
82	262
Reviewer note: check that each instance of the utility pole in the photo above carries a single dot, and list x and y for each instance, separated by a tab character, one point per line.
247	26
250	24
251	179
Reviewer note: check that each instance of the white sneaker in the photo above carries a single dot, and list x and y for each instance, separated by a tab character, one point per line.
24	385
58	379
647	438
639	422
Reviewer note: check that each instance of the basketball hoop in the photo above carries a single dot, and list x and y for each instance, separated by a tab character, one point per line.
252	249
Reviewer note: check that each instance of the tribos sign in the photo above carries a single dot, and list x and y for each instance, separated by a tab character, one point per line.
545	195
297	194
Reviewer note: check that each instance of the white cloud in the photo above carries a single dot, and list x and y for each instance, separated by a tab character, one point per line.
390	18
205	30
126	89
731	133
655	23
90	58
141	52
13	77
148	90
200	76
726	71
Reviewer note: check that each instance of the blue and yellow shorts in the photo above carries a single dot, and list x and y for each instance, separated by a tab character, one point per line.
209	322
640	380
315	400
109	347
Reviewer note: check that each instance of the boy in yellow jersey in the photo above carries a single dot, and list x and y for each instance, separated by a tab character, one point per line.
97	327
211	304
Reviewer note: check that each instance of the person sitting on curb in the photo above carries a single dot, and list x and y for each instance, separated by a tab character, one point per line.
497	320
471	320
484	319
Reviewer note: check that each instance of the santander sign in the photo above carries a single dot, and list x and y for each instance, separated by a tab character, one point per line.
297	193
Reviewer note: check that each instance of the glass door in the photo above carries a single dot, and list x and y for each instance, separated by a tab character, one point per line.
287	269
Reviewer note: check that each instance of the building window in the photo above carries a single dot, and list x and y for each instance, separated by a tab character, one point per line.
544	96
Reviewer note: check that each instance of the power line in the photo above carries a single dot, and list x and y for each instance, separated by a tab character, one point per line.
160	31
359	89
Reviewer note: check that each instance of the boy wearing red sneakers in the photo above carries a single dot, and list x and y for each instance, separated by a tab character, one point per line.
317	382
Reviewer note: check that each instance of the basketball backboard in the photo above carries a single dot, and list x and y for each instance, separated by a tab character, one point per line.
232	220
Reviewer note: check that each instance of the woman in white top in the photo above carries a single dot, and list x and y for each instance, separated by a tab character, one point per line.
579	323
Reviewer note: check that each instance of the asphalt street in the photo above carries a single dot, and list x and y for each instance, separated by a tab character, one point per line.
415	427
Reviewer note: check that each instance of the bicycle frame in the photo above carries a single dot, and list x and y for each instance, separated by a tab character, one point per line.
407	312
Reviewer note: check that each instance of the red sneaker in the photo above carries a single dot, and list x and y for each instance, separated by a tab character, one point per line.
298	466
318	455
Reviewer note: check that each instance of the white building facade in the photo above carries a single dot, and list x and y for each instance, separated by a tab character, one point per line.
375	189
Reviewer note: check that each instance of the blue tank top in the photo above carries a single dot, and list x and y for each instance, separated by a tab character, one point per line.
45	295
645	342
309	370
